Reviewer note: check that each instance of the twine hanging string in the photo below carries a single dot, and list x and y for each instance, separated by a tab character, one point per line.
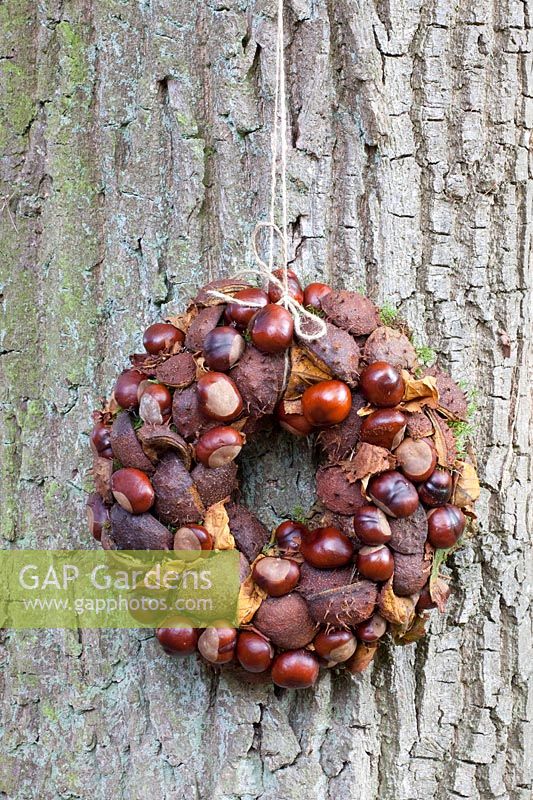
265	270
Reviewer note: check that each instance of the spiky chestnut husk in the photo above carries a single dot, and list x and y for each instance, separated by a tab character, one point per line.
177	498
214	485
451	396
101	472
177	371
313	580
137	531
224	285
411	571
409	534
337	492
186	415
202	324
126	447
259	377
337	352
340	440
156	440
285	621
249	533
351	311
390	345
419	426
346	606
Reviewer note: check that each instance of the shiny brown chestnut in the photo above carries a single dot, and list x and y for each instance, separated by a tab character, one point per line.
425	602
381	384
276	576
326	548
384	428
295	669
222	348
445	526
161	336
179	639
417	459
219	446
371	629
437	489
326	403
218	397
97	515
193	537
101	440
371	525
217	645
272	329
254	653
294	286
314	294
132	490
289	535
151	397
335	645
293	423
241	315
393	493
126	387
375	563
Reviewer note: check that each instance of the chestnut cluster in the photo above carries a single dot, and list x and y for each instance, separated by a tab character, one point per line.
165	449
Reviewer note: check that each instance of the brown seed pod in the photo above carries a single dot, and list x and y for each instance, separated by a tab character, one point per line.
101	472
346	606
337	351
351	311
409	534
259	377
451	396
224	285
177	498
186	415
156	440
214	485
314	580
202	324
340	440
419	426
126	447
177	371
411	572
249	533
337	491
389	344
138	531
285	621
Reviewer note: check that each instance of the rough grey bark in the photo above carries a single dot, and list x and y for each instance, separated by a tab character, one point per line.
135	139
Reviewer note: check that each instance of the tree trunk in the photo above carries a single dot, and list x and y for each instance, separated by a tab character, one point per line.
136	139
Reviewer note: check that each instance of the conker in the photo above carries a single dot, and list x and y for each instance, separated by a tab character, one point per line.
97	515
381	384
271	329
219	446
326	548
161	336
314	293
326	403
384	428
335	645
371	525
289	535
416	459
179	640
295	669
158	394
101	440
371	629
217	645
393	493
126	387
445	525
254	653
218	397
193	537
294	286
276	576
222	348
241	315
293	423
375	563
132	490
437	489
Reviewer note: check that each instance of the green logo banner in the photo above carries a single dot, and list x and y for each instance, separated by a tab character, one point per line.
118	588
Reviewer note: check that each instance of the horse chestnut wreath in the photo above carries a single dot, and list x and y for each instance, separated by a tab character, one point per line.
393	494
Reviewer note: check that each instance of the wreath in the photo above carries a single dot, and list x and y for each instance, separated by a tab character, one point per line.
396	481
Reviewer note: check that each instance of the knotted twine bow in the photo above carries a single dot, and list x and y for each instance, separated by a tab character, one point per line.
265	270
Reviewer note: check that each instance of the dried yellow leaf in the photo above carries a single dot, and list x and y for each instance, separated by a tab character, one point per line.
216	521
250	597
466	490
398	610
304	372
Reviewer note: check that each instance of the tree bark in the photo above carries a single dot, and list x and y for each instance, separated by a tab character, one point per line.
136	139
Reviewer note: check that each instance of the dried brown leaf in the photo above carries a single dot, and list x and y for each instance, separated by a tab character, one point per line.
183	321
398	610
250	596
367	461
416	631
216	521
304	372
419	392
466	490
362	658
